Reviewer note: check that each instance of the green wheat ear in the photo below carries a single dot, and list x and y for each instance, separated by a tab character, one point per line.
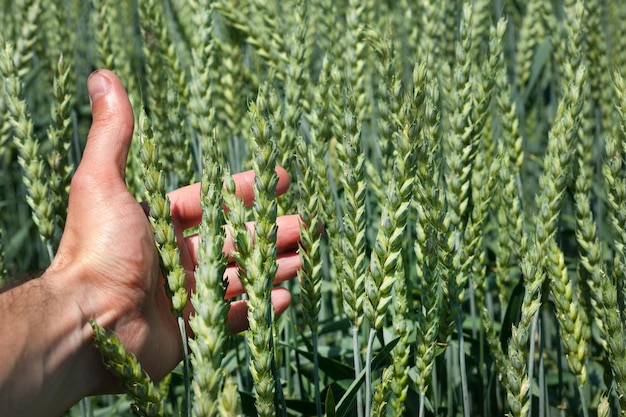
209	321
22	128
261	264
59	137
161	218
124	365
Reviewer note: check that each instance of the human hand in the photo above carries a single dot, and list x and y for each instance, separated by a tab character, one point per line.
108	243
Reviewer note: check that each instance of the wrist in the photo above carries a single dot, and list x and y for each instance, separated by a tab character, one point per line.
47	354
75	353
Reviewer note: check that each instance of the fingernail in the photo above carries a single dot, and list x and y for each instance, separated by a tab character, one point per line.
97	85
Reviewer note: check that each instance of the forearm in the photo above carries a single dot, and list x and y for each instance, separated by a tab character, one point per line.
47	361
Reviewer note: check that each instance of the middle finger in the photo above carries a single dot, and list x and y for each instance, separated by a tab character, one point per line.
287	237
288	266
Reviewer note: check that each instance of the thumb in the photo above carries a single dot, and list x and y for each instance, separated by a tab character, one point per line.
111	130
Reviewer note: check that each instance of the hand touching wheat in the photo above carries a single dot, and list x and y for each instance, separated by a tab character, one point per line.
107	269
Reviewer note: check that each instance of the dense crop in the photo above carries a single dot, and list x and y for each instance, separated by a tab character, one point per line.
466	159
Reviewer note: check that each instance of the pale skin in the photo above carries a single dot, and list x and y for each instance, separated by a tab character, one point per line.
107	269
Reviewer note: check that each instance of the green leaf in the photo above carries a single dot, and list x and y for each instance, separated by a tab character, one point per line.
345	404
332	368
306	408
334	326
513	314
247	404
540	60
330	404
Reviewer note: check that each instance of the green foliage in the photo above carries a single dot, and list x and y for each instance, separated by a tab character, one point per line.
465	158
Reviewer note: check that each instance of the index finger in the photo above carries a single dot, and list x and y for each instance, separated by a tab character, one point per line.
185	202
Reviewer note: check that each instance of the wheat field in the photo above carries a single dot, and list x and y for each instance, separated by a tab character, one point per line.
466	160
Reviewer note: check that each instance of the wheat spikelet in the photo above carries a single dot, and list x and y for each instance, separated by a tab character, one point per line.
209	322
59	137
166	92
204	101
388	247
161	218
532	34
25	43
358	59
326	125
124	365
258	261
459	153
219	84
606	296
354	224
598	72
229	403
311	208
165	239
429	207
510	216
296	87
570	314
387	89
398	376
311	204
615	15
57	37
590	251
262	32
484	170
29	148
552	182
